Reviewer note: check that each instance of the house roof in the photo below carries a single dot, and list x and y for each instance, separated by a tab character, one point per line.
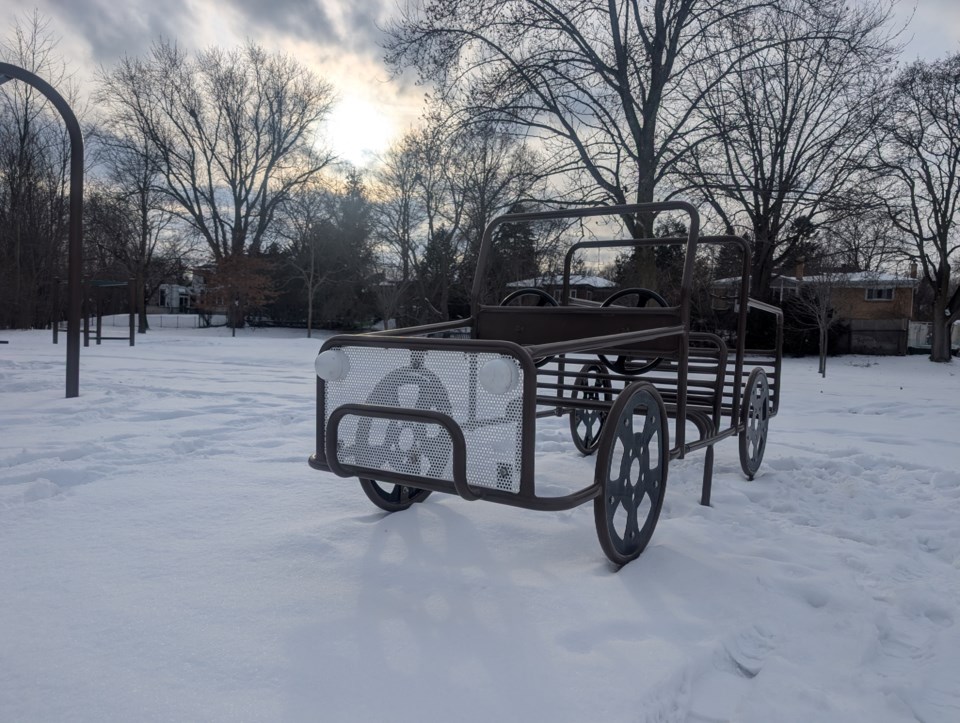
597	282
851	279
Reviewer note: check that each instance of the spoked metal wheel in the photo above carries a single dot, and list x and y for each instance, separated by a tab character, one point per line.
391	497
631	470
586	424
755	419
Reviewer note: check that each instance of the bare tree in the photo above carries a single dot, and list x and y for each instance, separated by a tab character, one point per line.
301	229
131	175
232	133
497	174
327	230
814	308
784	136
34	169
918	152
420	215
440	186
608	88
399	215
388	295
442	196
862	237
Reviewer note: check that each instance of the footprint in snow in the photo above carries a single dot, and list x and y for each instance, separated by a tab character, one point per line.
718	691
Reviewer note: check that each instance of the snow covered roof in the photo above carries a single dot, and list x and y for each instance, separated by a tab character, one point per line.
597	282
854	278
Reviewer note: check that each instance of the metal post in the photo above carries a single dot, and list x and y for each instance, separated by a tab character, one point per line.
75	256
98	304
707	476
85	303
133	310
56	309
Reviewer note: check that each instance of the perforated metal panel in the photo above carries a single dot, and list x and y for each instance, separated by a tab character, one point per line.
437	380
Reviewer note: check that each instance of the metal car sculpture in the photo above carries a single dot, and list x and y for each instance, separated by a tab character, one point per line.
410	412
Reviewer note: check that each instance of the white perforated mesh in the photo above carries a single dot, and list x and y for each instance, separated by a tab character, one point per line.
438	380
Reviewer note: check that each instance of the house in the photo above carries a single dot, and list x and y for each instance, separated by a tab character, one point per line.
591	288
178	298
875	308
175	299
863	295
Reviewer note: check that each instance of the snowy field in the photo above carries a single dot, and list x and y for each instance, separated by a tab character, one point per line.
167	554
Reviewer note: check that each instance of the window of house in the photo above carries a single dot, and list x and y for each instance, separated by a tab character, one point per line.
880	293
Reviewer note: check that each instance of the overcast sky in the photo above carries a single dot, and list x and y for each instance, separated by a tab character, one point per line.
339	39
933	29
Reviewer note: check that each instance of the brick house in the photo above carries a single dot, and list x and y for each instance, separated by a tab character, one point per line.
875	308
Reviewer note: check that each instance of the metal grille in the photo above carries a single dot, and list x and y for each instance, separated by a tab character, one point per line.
439	380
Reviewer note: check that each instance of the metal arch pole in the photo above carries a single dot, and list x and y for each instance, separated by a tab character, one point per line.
75	253
132	284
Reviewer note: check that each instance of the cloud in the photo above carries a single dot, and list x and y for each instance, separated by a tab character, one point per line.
367	18
113	28
300	18
341	40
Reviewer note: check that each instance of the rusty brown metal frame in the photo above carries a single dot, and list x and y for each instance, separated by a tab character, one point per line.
706	417
486	242
526	497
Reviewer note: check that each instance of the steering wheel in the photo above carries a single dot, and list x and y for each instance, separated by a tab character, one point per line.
622	364
543	299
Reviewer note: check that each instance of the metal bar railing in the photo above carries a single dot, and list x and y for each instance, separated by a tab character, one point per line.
458	443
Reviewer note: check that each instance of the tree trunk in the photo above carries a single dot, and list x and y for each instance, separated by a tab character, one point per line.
823	353
143	322
310	313
445	303
762	272
644	260
940	347
235	315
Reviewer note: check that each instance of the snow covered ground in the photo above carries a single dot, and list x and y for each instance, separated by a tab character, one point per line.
167	554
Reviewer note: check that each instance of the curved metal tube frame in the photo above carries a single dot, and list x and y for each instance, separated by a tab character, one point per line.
75	256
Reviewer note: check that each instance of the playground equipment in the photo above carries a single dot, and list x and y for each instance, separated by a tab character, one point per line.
99	295
411	413
10	72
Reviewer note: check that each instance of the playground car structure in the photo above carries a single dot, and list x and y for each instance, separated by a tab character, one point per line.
410	411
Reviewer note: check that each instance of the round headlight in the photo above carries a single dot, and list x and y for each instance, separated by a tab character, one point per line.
499	376
332	365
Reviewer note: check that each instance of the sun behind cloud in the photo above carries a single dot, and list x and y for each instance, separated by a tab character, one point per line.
358	130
